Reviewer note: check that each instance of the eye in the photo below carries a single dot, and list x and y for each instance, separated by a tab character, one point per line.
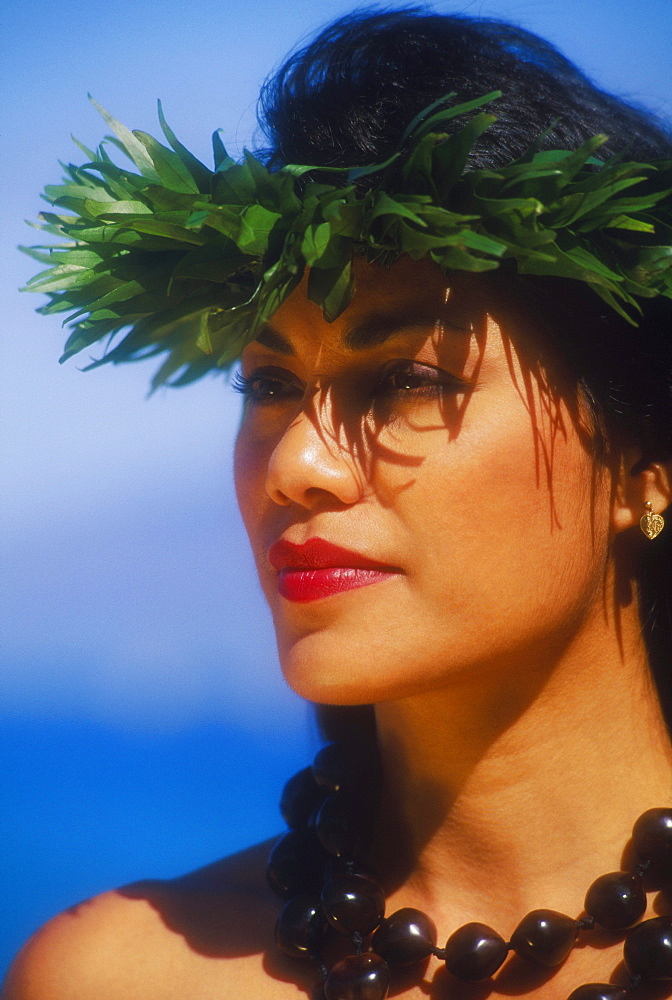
267	385
415	379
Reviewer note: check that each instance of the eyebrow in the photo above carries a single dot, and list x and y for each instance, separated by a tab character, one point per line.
273	340
367	334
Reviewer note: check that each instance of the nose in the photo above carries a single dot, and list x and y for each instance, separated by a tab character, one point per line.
313	463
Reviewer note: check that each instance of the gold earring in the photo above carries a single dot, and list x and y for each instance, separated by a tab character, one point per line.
651	524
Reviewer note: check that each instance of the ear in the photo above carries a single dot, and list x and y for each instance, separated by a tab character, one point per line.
638	484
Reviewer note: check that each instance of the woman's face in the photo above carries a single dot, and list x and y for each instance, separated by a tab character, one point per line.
426	436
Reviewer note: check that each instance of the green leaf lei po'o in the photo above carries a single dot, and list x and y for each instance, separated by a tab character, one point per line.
179	259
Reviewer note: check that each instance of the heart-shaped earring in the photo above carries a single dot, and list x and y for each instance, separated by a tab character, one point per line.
651	524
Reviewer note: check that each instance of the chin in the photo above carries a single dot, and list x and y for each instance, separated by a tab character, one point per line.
322	671
343	667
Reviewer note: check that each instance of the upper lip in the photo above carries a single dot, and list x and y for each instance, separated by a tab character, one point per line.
317	553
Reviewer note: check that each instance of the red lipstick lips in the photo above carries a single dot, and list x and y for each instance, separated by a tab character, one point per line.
318	569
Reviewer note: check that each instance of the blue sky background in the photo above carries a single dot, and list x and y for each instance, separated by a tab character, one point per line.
144	728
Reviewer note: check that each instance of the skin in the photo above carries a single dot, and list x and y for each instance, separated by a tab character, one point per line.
441	481
433	430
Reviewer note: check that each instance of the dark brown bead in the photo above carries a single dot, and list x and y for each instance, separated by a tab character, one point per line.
474	952
616	900
652	839
353	904
295	864
358	977
299	798
545	937
407	936
301	926
345	866
598	991
647	951
339	825
332	768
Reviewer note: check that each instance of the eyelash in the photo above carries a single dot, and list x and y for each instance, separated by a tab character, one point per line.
245	385
280	385
429	381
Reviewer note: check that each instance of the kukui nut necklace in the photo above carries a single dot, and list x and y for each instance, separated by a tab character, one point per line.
328	809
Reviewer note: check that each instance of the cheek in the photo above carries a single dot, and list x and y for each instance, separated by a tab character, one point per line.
508	506
242	474
249	475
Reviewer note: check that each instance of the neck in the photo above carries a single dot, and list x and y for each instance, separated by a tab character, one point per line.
506	800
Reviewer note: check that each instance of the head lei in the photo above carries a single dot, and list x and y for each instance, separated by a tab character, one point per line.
174	258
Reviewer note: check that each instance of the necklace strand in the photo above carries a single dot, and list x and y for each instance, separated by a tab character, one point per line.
330	809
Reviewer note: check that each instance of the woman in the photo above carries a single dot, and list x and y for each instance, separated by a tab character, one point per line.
451	439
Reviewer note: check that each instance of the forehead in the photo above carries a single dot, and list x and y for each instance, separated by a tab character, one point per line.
386	302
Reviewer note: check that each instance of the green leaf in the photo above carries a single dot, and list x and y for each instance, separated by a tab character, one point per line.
170	168
427	122
277	284
498	207
256	225
87	152
77	192
652	262
37	254
458	258
222	159
386	205
158	227
120	183
200	173
584	203
203	341
96	209
133	148
345	219
213	262
626	222
570	162
478	241
315	242
575	262
450	158
57	278
332	289
78	297
423	115
356	173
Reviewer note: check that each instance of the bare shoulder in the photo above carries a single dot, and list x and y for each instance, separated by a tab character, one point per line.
207	934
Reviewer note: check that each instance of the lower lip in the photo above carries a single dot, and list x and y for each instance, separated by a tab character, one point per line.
303	585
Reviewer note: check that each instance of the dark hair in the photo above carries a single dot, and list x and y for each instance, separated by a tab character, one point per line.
345	99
